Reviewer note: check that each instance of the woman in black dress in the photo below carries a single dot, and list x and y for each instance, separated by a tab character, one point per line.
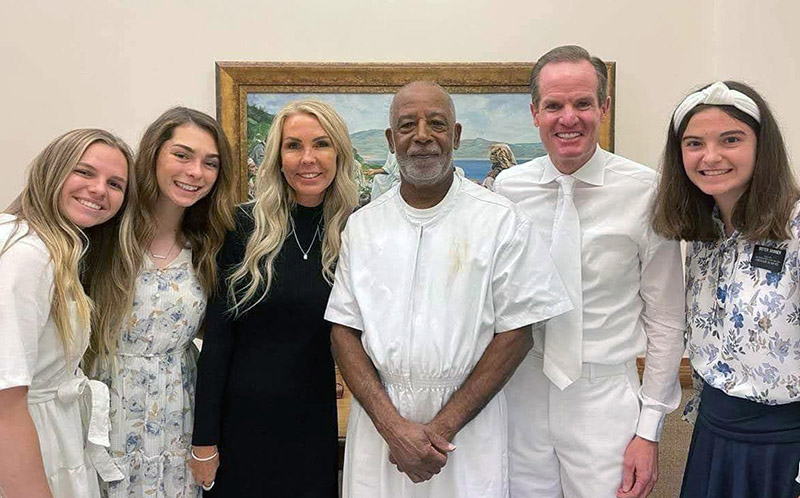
265	416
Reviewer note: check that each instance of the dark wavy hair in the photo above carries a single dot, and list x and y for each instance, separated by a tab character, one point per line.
682	211
203	227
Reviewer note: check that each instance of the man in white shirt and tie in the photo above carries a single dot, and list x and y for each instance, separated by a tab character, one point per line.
580	425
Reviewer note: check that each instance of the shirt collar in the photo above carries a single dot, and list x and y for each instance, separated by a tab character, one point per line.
427	216
592	172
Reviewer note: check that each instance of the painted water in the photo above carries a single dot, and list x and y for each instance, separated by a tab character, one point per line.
476	169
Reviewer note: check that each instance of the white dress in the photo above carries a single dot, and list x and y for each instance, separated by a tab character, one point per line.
474	269
152	383
32	355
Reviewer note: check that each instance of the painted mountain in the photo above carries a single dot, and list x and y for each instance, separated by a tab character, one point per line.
371	145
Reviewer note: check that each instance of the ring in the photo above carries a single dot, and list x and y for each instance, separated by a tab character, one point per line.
208	488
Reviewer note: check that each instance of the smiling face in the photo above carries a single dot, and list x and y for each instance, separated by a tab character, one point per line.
719	154
569	114
308	158
187	165
423	134
95	188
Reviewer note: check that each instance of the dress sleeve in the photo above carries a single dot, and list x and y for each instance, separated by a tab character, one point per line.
217	349
526	287
342	305
26	281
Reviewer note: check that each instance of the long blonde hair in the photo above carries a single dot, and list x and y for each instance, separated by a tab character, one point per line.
203	227
38	206
250	281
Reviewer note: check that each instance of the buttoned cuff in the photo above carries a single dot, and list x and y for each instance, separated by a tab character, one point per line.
651	423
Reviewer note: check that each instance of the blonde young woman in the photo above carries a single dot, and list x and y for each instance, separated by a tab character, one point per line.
74	199
266	404
185	184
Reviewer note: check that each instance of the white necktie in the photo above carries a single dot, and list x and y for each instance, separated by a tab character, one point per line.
563	344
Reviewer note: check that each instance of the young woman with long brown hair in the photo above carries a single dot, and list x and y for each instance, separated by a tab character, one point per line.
149	315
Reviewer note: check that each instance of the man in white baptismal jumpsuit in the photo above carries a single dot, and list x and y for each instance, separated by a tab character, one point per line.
579	424
426	343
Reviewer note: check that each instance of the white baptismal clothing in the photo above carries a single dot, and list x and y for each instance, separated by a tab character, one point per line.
468	268
32	354
632	291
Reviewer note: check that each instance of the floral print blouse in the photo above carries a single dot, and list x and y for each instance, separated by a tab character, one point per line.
743	320
152	384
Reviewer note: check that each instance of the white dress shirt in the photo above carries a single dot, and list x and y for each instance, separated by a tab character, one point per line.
461	272
631	278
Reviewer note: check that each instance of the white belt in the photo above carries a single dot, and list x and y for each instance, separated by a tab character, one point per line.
97	406
596	370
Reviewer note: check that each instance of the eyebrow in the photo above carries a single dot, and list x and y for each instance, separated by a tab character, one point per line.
723	134
428	115
115	177
189	149
321	137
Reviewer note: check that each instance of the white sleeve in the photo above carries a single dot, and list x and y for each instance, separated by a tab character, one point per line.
342	304
664	319
526	287
26	279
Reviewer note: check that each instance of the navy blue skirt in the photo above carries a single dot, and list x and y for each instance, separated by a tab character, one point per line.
742	449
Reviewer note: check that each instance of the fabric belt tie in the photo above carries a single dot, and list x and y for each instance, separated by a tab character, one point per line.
94	396
563	344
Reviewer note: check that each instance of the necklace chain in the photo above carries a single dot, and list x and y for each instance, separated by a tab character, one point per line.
164	256
297	241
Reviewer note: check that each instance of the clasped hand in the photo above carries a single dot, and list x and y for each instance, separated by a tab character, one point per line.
418	450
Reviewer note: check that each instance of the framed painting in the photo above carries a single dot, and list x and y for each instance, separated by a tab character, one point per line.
491	99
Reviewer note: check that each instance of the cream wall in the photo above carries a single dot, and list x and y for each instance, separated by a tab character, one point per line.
118	64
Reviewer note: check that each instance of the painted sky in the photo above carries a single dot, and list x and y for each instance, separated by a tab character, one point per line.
497	117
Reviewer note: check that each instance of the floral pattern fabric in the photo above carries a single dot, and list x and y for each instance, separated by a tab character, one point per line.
744	321
152	383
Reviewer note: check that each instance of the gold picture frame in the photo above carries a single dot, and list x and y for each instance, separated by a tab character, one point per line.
237	80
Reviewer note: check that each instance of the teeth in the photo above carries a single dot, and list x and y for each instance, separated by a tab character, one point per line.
90	205
568	135
715	172
309	175
186	186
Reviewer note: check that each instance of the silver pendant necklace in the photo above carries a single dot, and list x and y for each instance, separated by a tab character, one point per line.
294	232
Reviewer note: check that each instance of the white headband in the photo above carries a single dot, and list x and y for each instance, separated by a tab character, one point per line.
716	94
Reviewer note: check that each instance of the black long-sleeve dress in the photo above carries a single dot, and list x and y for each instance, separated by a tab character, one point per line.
266	393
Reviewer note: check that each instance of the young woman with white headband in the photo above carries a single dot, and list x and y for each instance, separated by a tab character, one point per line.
727	188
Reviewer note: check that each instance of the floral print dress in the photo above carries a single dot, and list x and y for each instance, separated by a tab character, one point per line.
152	382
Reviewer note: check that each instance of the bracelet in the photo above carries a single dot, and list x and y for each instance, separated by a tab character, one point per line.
207	459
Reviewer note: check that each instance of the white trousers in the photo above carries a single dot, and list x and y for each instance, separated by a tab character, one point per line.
570	443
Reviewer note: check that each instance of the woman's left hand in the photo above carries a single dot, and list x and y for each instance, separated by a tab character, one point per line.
204	472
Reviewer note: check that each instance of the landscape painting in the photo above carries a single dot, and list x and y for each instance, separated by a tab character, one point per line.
486	119
492	104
